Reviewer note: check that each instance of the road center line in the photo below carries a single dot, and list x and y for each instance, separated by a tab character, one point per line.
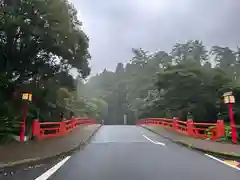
219	160
154	142
51	171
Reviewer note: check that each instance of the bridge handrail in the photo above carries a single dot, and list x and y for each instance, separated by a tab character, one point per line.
43	130
199	130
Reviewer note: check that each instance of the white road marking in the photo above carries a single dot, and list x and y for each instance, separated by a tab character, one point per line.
219	160
51	171
154	142
149	139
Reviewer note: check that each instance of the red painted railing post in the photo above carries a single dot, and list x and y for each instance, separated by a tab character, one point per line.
63	129
35	128
220	128
73	123
190	125
175	124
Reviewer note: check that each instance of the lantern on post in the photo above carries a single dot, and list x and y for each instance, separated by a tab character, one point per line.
26	97
229	99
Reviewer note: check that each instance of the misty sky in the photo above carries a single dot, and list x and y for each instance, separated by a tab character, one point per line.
116	26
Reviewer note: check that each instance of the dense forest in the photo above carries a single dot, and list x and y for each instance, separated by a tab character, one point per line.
41	42
187	82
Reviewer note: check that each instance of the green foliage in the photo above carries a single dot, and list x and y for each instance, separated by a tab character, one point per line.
209	132
40	42
190	88
188	81
190	51
82	105
228	136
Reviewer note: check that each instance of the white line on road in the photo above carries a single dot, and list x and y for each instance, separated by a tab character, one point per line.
51	171
154	142
219	160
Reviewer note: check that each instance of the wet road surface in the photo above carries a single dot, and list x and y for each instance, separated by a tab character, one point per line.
131	153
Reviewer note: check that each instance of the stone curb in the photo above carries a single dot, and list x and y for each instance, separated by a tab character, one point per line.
190	146
31	160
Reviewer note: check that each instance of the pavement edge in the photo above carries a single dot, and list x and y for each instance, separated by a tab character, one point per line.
190	146
31	160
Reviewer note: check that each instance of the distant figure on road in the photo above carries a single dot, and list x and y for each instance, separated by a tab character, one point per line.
61	115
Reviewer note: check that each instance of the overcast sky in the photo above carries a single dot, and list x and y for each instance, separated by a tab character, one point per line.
116	26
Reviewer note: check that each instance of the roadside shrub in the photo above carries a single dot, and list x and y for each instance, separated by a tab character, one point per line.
209	132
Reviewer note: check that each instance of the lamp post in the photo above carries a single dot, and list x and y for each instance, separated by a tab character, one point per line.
26	97
230	100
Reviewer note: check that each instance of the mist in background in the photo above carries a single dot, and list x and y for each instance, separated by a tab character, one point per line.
115	27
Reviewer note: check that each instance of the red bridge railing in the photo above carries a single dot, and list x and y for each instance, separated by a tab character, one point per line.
43	130
200	130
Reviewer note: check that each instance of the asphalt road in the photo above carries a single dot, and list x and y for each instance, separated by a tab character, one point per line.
131	153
